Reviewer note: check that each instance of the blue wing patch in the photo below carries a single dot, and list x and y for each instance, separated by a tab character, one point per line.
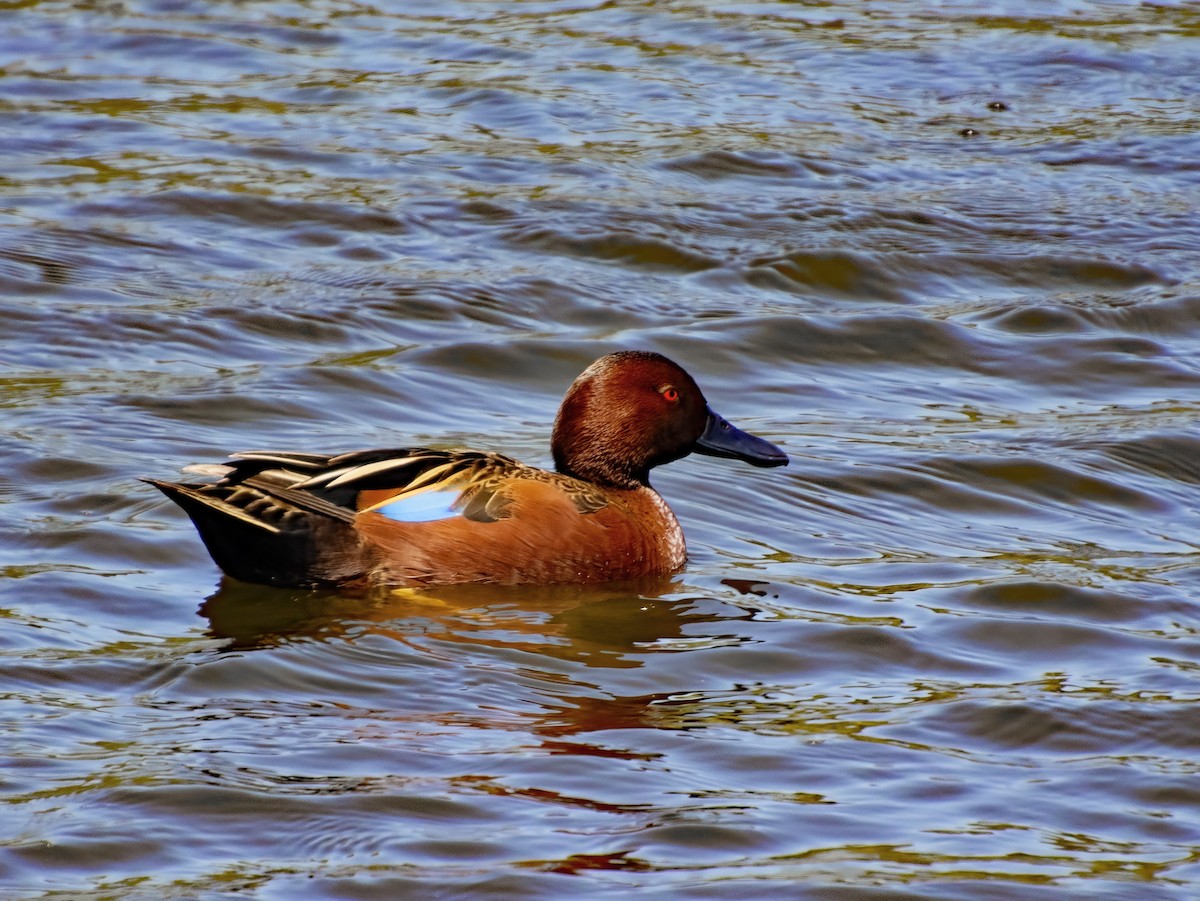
424	506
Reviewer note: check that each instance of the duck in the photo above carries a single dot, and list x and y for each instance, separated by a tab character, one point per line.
418	516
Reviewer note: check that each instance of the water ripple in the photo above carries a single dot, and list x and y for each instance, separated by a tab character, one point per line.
948	259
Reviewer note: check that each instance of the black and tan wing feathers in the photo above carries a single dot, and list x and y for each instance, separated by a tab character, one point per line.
303	510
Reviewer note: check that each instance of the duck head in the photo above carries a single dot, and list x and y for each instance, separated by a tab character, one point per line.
634	410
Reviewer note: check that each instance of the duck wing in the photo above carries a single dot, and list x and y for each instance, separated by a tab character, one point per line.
289	518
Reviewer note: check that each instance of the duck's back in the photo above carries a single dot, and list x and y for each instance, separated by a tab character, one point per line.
424	517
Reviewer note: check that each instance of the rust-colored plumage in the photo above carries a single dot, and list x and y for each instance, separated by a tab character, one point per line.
416	516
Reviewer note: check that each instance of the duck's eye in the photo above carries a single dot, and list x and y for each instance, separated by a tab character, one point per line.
669	393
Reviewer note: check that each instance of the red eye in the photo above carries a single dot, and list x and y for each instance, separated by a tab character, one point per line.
669	393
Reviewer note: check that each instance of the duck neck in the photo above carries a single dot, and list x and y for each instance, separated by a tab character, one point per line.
603	472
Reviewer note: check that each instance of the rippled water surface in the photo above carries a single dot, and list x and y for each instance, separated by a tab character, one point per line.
947	255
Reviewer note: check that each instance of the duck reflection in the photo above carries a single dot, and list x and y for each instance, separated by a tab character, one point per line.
578	634
609	626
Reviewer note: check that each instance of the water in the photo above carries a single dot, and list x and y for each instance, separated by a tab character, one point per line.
946	255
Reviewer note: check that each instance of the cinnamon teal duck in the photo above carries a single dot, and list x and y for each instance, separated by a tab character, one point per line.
417	516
